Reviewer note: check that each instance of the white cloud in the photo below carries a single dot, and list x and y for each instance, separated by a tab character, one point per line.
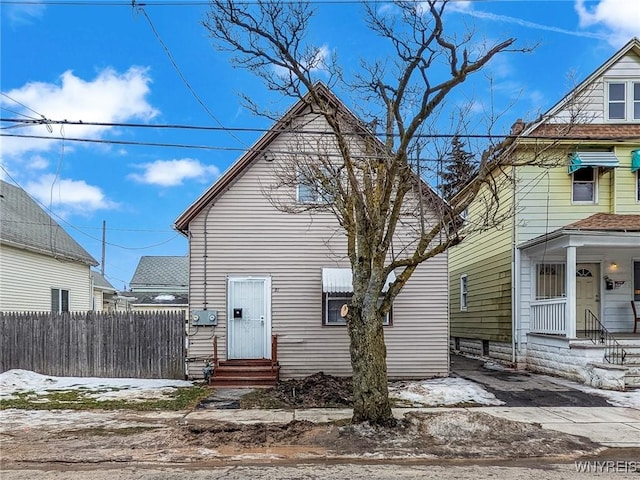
621	18
37	162
68	196
170	173
25	13
316	61
459	6
111	97
466	8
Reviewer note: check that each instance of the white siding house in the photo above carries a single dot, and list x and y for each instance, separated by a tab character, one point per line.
264	272
41	267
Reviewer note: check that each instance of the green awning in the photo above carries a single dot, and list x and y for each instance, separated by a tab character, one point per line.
635	160
592	159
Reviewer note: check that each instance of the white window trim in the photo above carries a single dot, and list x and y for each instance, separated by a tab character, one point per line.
629	100
536	276
318	198
596	182
60	294
464	292
346	298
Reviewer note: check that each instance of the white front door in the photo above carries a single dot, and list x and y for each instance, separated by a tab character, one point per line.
248	318
587	292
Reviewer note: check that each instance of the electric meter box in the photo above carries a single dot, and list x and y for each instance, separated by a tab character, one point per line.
204	318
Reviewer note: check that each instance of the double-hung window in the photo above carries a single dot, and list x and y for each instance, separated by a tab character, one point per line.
59	300
550	281
584	185
623	100
464	293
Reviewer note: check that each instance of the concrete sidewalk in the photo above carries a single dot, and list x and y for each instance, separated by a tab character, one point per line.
608	426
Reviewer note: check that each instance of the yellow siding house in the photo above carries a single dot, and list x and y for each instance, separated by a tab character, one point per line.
552	288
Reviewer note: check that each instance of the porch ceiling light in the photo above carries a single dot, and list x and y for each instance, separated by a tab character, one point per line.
580	160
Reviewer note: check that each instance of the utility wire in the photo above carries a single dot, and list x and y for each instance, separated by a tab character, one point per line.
162	3
294	130
78	229
139	8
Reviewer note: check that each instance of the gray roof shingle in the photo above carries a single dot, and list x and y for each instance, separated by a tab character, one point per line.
24	224
162	272
100	282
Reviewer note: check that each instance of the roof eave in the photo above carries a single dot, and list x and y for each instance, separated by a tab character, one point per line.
90	261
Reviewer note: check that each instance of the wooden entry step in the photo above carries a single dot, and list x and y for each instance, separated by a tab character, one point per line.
250	373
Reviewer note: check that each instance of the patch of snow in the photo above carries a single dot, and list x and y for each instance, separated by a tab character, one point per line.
22	381
498	367
165	298
443	392
629	398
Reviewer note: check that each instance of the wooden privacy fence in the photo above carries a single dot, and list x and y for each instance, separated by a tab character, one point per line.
95	344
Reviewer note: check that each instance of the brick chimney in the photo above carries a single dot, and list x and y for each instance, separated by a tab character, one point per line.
517	127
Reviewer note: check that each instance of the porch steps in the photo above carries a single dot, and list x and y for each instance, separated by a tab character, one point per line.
245	374
631	360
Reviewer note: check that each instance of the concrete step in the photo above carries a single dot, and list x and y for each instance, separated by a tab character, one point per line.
632	358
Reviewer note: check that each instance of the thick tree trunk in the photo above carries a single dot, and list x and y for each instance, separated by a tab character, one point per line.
369	363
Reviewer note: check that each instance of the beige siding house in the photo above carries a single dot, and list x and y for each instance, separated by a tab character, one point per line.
41	267
552	288
258	273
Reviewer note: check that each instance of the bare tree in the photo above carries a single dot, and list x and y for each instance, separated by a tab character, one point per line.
364	174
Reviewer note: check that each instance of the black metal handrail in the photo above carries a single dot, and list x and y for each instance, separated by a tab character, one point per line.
598	334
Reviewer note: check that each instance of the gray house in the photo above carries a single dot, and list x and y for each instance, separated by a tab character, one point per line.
42	267
263	281
160	283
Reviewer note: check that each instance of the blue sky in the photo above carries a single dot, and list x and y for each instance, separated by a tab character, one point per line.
102	61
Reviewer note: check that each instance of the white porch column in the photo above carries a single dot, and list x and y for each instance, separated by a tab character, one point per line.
571	293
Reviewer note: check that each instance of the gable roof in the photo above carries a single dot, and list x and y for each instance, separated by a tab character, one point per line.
257	149
24	224
632	45
100	282
161	272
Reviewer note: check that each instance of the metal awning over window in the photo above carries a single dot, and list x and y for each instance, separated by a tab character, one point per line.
339	280
635	160
592	159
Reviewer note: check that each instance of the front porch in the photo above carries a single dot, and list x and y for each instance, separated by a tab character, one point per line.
583	360
575	316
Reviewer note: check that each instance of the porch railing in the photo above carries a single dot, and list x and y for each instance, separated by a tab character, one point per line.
599	335
548	316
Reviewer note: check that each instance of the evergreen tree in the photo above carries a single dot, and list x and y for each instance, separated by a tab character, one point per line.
458	168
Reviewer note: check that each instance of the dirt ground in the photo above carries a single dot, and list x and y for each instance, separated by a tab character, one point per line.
125	436
128	437
315	391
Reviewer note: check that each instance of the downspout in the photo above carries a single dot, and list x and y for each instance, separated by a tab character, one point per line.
205	254
515	266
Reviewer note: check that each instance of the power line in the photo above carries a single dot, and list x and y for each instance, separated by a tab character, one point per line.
175	3
139	7
78	229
